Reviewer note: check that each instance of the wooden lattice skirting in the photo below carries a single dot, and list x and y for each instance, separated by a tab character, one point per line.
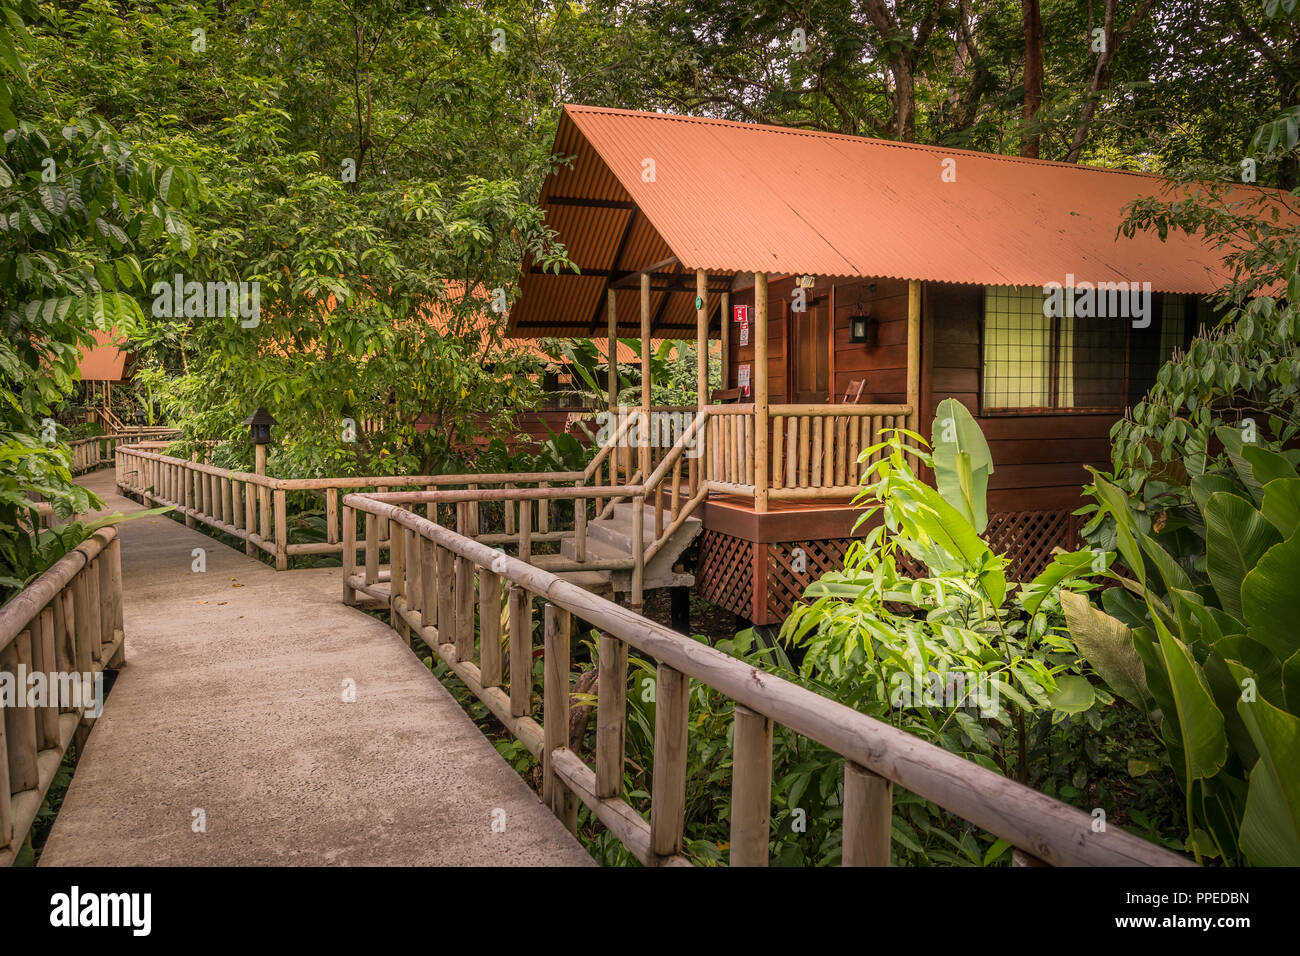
762	581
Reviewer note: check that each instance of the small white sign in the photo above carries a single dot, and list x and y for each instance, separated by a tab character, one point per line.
742	379
744	334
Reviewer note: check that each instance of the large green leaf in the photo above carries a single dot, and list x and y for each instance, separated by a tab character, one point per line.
1281	505
1073	694
1236	537
1063	568
962	462
1106	644
1270	827
1270	597
1205	746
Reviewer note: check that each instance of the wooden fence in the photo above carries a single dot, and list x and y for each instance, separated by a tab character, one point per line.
69	620
475	606
100	451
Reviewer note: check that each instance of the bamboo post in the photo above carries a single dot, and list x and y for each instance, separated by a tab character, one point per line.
724	320
751	788
191	484
760	392
521	652
525	529
868	810
45	660
643	437
555	714
913	357
638	551
349	549
668	787
611	716
94	612
612	314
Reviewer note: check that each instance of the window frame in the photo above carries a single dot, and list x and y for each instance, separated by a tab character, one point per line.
1054	359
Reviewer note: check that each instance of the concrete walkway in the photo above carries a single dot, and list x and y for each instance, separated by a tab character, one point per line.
230	711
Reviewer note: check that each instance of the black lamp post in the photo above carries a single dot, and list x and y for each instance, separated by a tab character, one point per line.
259	426
259	430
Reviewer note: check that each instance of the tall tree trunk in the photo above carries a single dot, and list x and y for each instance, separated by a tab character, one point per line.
1101	73
1033	23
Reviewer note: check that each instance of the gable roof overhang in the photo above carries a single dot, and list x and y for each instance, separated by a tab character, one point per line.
735	198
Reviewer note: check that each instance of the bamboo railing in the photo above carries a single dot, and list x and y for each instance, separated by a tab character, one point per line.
475	607
99	451
815	448
68	621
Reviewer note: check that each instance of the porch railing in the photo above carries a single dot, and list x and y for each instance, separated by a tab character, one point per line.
475	607
68	621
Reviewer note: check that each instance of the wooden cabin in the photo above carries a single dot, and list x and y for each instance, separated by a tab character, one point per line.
855	284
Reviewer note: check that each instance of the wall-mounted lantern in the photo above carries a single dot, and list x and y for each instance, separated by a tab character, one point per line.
862	330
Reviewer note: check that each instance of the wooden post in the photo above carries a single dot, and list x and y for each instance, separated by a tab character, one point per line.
191	486
446	564
643	434
760	392
751	788
332	515
489	628
668	787
20	722
372	549
250	522
397	581
521	652
914	356
612	314
349	550
868	810
611	716
638	551
464	629
701	338
724	320
555	714
428	585
282	532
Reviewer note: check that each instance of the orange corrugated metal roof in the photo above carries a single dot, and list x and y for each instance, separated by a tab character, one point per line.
103	362
738	197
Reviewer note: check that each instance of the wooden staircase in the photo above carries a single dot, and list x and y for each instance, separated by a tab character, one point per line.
610	538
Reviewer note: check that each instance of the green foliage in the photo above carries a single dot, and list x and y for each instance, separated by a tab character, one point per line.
922	629
1211	615
79	205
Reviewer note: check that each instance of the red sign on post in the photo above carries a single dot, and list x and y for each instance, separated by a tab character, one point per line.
740	313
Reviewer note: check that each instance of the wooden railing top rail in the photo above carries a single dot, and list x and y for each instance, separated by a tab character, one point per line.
1054	832
389	481
738	409
836	411
17	615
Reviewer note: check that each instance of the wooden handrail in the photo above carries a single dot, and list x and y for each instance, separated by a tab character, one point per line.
1046	828
67	621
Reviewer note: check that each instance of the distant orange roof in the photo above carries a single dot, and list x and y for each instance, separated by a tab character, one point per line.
738	197
105	361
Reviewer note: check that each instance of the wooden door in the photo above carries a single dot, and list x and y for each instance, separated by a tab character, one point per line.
810	351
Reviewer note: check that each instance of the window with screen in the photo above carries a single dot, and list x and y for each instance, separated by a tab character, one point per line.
1033	361
1036	362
